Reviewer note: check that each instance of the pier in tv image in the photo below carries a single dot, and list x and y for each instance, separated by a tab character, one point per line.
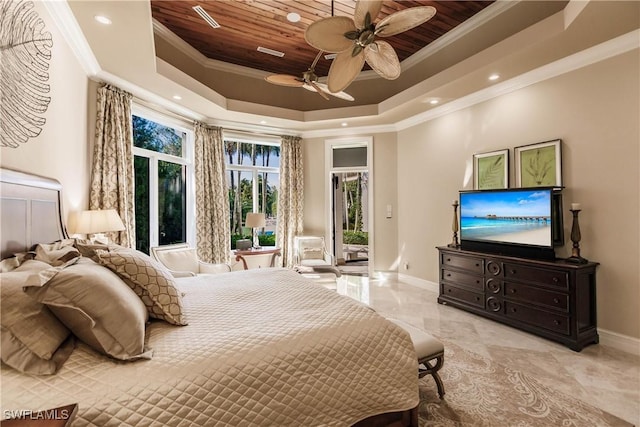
518	217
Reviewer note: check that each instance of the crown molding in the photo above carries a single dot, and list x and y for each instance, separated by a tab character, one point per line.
175	41
476	21
67	25
600	52
609	49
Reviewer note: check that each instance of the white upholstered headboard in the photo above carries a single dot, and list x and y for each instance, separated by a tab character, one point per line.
30	211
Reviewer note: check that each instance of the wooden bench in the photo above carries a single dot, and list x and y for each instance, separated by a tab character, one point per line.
430	353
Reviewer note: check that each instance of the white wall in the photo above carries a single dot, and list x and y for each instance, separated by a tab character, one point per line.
595	111
61	150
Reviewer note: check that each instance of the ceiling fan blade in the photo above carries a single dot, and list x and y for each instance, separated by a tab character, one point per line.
383	60
284	80
364	6
320	91
328	34
344	69
404	20
341	94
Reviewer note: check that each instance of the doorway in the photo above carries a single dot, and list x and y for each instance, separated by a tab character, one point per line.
351	222
349	203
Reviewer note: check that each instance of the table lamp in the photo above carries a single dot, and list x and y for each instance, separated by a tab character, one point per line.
255	221
98	222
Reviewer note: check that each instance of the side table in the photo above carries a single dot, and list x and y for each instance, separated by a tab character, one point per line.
268	258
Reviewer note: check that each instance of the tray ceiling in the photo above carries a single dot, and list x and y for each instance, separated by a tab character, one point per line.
246	25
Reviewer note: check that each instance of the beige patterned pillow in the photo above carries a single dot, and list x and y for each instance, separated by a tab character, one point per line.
312	253
150	280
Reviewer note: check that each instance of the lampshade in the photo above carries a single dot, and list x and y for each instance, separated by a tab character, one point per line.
255	220
99	221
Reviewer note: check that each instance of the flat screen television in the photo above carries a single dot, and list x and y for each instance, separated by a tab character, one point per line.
523	222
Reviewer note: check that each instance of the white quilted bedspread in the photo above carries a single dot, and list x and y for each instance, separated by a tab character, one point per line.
262	348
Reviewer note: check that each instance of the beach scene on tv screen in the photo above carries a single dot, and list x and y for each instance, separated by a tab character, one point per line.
521	217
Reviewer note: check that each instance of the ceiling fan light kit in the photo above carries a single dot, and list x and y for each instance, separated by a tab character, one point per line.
356	41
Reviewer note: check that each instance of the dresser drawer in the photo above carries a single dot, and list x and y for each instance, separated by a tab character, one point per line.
471	264
530	294
538	318
465	279
555	278
466	296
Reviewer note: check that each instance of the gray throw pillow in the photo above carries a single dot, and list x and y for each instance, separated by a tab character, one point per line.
98	307
34	341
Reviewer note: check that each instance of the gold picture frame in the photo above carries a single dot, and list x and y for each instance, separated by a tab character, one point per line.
539	165
491	170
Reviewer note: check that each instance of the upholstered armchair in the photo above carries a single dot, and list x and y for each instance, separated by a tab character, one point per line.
310	251
182	261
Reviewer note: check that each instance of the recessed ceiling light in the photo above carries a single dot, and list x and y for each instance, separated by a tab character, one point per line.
293	17
343	124
434	101
263	122
178	97
493	77
102	19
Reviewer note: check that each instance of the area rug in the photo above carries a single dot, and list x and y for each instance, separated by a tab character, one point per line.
480	392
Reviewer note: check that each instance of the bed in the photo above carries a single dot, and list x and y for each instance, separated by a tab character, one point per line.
262	347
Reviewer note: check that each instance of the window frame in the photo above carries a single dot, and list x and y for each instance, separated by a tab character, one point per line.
187	160
231	136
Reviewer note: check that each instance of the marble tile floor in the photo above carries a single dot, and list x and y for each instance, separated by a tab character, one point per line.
601	376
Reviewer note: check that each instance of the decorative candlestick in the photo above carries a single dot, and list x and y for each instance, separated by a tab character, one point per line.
454	227
575	236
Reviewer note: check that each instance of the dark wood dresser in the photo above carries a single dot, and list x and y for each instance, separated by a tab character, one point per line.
552	299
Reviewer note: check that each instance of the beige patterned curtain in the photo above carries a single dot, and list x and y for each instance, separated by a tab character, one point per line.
212	199
112	179
290	196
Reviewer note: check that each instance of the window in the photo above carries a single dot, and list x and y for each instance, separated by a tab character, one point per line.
163	177
253	180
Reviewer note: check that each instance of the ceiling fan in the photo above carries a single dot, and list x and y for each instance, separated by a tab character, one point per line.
309	81
356	40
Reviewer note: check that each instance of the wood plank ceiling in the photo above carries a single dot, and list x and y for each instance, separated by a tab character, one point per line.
247	24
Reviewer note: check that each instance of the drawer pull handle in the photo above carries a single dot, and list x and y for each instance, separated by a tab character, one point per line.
449	290
513	272
477	281
513	310
477	265
556	300
477	298
555	280
513	291
448	274
448	259
556	322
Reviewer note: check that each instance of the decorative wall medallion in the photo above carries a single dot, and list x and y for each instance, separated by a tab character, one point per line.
25	52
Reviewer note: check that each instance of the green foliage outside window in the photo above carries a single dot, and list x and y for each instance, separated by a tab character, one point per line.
171	180
355	237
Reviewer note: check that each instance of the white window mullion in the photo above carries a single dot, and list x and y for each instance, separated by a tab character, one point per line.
191	189
255	191
154	238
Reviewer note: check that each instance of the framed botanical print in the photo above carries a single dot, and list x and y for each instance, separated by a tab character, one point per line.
491	170
539	165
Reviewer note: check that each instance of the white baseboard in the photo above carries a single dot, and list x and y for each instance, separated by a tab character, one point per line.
420	283
619	342
607	338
